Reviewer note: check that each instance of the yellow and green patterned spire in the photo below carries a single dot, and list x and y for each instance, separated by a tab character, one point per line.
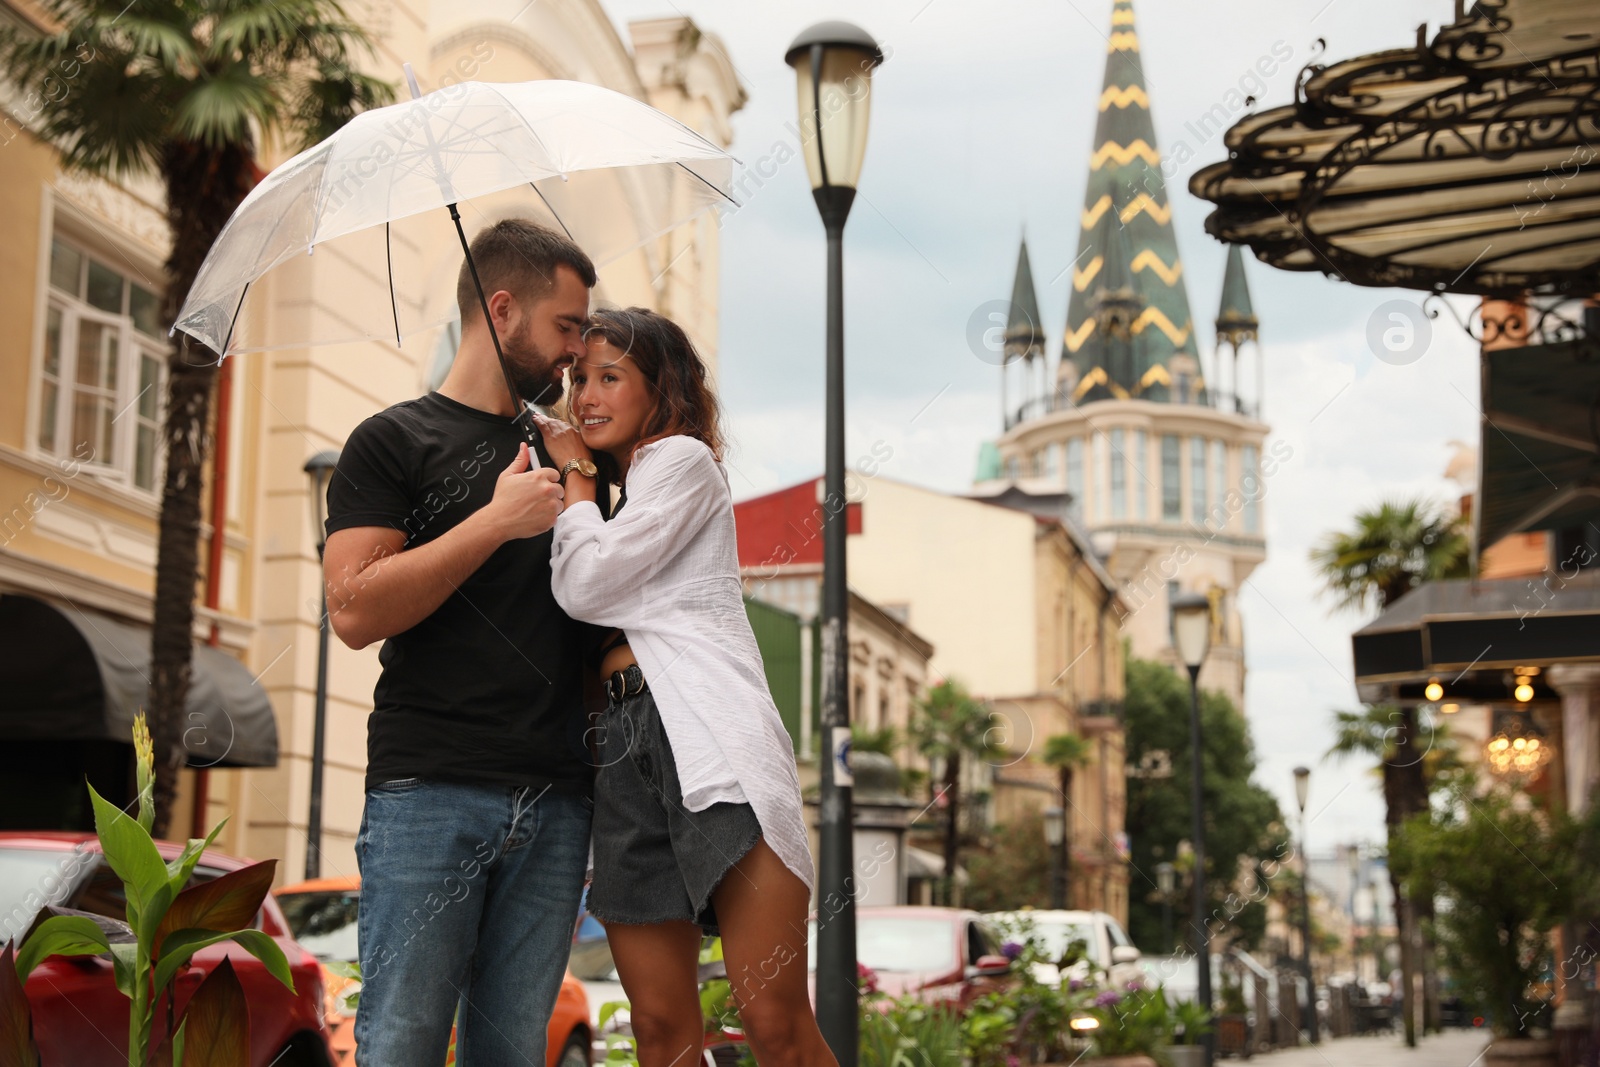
1126	236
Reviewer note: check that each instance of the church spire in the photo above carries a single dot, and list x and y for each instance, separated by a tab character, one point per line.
1024	330
1236	319
1126	200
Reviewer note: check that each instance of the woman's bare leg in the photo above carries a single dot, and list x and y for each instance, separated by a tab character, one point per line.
659	968
762	909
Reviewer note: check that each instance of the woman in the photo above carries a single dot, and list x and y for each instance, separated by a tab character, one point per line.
697	824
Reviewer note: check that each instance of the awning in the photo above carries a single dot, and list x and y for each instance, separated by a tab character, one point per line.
68	673
920	863
1456	626
1466	164
1539	467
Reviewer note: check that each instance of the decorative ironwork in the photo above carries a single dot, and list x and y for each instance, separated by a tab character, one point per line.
1327	182
1518	324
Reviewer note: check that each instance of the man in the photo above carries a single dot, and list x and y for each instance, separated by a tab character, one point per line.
475	835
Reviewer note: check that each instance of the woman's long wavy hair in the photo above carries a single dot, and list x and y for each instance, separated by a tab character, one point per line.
672	368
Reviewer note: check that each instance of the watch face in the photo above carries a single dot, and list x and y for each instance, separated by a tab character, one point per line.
588	469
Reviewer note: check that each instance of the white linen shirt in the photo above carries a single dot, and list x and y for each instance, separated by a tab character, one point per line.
665	570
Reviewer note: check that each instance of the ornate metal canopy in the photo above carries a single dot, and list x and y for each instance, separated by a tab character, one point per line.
1470	164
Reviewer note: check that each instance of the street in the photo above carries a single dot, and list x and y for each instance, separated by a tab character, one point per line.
1453	1048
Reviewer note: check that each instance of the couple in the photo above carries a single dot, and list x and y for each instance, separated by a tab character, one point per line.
496	585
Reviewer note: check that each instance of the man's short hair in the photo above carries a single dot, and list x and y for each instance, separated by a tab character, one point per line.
521	257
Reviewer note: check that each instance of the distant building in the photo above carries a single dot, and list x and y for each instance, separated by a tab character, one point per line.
1015	606
1161	463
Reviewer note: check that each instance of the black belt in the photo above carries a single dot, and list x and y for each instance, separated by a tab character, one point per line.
625	683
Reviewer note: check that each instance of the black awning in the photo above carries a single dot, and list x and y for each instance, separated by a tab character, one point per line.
1457	625
68	673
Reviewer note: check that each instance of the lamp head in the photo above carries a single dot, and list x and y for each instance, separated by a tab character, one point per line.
1055	826
319	470
833	63
1166	877
1191	628
1302	786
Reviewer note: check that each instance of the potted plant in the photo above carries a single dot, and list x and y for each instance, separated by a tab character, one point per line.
1132	1027
1191	1023
1233	1025
1506	869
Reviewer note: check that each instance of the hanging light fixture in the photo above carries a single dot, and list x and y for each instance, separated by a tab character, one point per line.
1519	748
1434	690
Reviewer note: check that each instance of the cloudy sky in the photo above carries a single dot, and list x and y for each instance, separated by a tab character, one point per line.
982	123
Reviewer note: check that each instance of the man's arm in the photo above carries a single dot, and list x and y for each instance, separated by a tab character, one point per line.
376	589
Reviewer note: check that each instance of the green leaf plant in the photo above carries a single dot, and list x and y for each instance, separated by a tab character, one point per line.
169	921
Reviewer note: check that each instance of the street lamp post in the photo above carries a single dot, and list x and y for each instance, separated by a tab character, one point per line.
833	64
1055	836
1302	790
1191	637
1353	856
1166	879
319	469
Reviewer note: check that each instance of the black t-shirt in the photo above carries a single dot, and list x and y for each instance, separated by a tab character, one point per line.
486	689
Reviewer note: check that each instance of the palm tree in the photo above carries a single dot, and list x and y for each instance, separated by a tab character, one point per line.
1390	550
951	725
186	90
1066	753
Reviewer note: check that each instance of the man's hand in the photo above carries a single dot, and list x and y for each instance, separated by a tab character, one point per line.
526	502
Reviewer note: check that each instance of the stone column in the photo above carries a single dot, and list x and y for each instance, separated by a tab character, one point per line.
1579	686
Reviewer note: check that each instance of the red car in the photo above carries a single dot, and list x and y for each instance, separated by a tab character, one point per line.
940	955
80	1018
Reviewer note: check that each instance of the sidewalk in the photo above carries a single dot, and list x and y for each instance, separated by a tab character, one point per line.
1454	1048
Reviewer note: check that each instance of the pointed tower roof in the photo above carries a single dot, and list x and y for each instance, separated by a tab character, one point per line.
1236	319
1125	167
1024	327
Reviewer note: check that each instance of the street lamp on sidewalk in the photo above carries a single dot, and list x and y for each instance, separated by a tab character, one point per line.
1302	791
1191	637
1166	880
833	64
319	470
1055	836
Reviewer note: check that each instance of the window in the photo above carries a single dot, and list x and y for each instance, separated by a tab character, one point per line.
1119	474
103	374
1141	483
1250	487
1052	461
1171	483
1197	479
1101	494
1219	481
1075	471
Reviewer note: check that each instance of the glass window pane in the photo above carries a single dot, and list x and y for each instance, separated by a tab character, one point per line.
1219	481
1250	488
145	309
1075	473
1141	481
1197	479
1119	474
144	458
1102	493
149	386
52	343
1171	483
49	400
66	268
97	355
105	288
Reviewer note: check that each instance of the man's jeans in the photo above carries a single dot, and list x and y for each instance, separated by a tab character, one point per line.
469	896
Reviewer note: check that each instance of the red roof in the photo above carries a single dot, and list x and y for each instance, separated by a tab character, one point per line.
785	527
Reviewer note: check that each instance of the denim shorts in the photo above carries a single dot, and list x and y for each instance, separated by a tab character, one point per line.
654	860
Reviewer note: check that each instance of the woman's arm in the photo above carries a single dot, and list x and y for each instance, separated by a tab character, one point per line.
599	568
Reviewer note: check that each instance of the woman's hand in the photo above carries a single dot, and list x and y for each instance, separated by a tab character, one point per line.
562	440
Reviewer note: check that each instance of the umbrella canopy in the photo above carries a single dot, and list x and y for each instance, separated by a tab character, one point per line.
611	171
1470	164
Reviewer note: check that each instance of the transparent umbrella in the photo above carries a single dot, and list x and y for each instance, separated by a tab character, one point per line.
611	171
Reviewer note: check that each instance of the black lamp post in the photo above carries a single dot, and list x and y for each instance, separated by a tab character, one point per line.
1353	855
1191	637
833	64
319	469
1055	836
1166	881
1302	790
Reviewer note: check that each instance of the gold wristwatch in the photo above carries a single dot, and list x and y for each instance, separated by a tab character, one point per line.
582	466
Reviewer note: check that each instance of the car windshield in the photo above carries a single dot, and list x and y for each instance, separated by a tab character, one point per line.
886	943
1058	936
29	879
324	923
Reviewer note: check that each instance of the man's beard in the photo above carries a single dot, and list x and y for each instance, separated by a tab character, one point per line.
532	372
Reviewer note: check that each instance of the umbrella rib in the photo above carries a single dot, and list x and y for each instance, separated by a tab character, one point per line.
552	211
710	186
394	307
226	341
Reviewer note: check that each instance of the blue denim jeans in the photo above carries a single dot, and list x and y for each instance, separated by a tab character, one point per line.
469	896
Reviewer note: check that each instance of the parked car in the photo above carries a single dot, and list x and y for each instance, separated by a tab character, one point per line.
79	1016
1105	944
322	914
941	955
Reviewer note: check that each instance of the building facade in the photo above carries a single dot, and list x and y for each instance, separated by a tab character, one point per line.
82	360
